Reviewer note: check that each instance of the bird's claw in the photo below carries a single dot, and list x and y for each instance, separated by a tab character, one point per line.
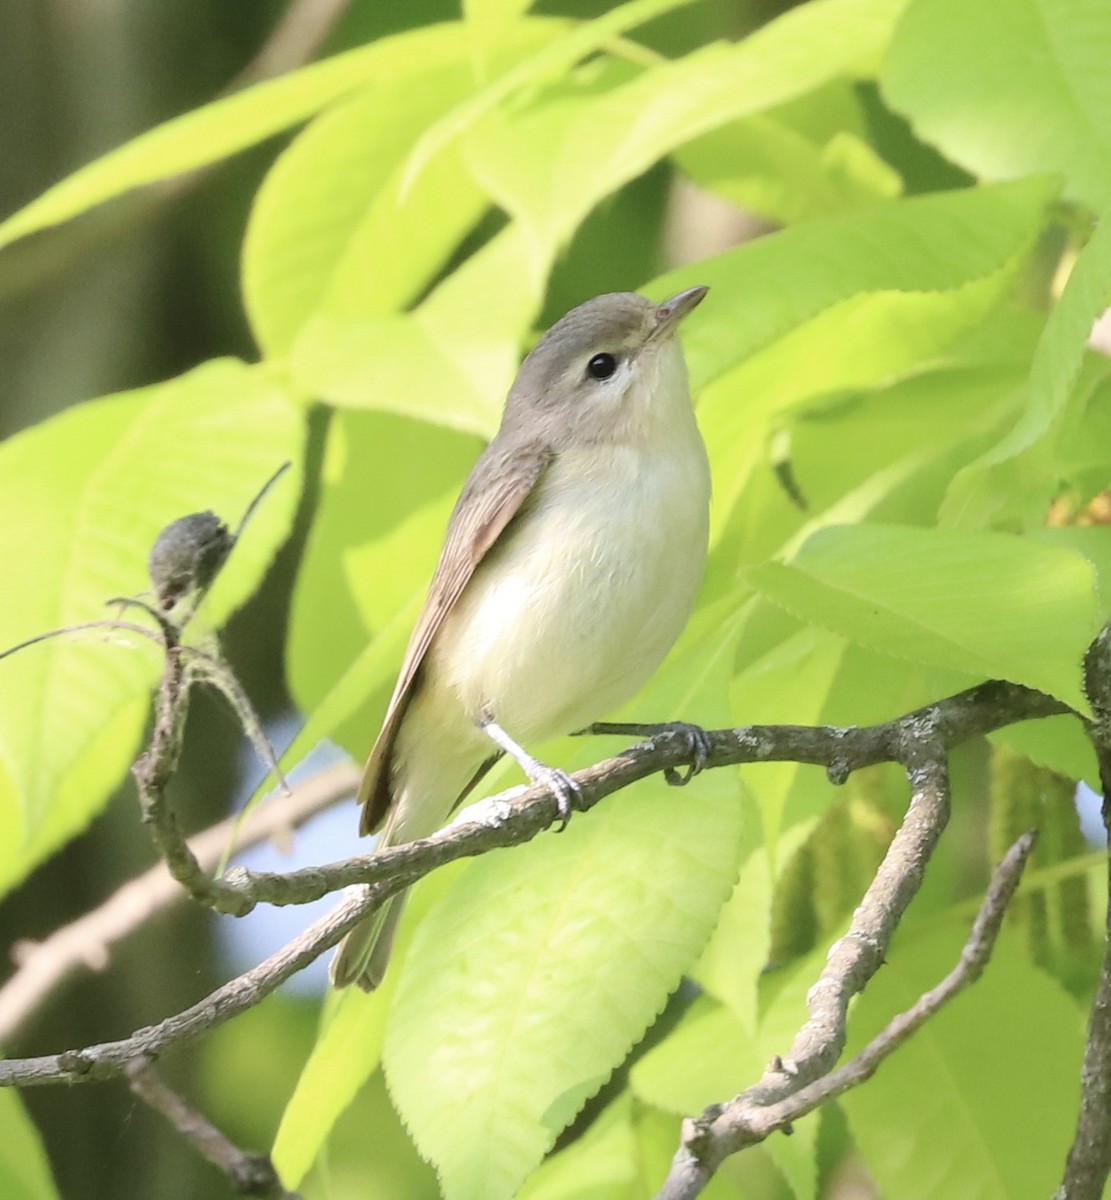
698	750
565	790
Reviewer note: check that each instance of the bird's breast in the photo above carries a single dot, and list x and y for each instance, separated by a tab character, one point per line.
584	593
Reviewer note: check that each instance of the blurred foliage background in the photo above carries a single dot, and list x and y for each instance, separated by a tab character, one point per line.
858	372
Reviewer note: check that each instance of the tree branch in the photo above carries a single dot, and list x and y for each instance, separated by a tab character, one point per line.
521	814
86	943
249	1174
749	1118
525	813
852	961
108	1059
1089	1159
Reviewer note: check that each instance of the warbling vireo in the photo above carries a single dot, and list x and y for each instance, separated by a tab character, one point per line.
570	566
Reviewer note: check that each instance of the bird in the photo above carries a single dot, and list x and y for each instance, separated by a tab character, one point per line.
570	565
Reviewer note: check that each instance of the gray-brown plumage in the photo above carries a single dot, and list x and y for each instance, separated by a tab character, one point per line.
570	564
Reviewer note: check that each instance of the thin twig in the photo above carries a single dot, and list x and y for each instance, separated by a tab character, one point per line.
215	671
856	957
249	1174
106	623
86	943
747	1120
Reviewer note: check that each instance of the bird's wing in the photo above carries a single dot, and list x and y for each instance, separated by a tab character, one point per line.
498	485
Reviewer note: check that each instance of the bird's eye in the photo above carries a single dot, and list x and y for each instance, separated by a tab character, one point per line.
601	366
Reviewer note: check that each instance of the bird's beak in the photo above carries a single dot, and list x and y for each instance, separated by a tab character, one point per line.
671	312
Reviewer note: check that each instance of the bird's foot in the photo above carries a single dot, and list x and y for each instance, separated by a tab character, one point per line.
698	749
563	788
697	743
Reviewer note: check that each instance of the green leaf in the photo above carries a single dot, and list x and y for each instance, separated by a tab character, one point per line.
327	228
730	965
325	209
226	126
83	497
790	684
534	163
883	453
767	288
1013	482
386	489
24	1170
596	1166
488	21
807	158
764	166
843	303
950	1112
549	63
1058	743
987	604
450	361
1028	90
348	1049
1094	542
540	969
1084	450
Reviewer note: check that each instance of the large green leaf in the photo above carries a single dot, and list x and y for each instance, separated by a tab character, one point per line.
600	1165
534	163
348	1050
327	228
82	498
216	130
24	1170
988	604
552	62
1013	482
737	952
767	288
789	683
326	207
768	165
534	976
1083	452
386	490
1024	87
950	1113
488	21
1058	743
843	303
451	360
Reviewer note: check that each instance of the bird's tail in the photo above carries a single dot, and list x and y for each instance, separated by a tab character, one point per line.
364	953
438	768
